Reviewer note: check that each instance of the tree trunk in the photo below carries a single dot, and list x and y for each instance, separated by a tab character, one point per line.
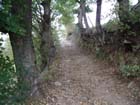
46	39
86	21
80	18
99	30
84	15
80	15
98	16
123	11
22	46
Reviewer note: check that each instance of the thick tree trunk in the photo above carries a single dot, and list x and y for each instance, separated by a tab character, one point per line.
24	58
47	45
123	11
22	46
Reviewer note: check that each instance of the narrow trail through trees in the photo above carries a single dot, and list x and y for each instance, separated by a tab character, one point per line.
84	81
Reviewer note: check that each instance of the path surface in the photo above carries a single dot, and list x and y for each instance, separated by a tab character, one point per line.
84	81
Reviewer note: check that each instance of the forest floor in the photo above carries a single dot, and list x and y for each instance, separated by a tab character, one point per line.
83	80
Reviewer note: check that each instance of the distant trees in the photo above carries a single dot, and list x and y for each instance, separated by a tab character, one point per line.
127	20
82	10
68	8
64	9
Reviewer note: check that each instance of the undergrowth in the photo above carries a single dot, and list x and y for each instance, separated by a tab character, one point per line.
128	64
12	92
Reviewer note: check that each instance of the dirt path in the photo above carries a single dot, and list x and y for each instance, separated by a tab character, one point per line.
84	81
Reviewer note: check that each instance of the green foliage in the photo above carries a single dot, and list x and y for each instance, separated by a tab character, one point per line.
65	10
100	53
112	25
7	79
10	88
130	70
87	9
9	23
55	37
7	48
134	16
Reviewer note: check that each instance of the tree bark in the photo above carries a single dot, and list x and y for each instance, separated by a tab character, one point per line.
80	17
100	33
46	39
98	16
22	46
84	15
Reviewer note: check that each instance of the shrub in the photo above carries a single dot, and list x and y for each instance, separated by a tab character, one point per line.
100	53
112	25
9	86
130	70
